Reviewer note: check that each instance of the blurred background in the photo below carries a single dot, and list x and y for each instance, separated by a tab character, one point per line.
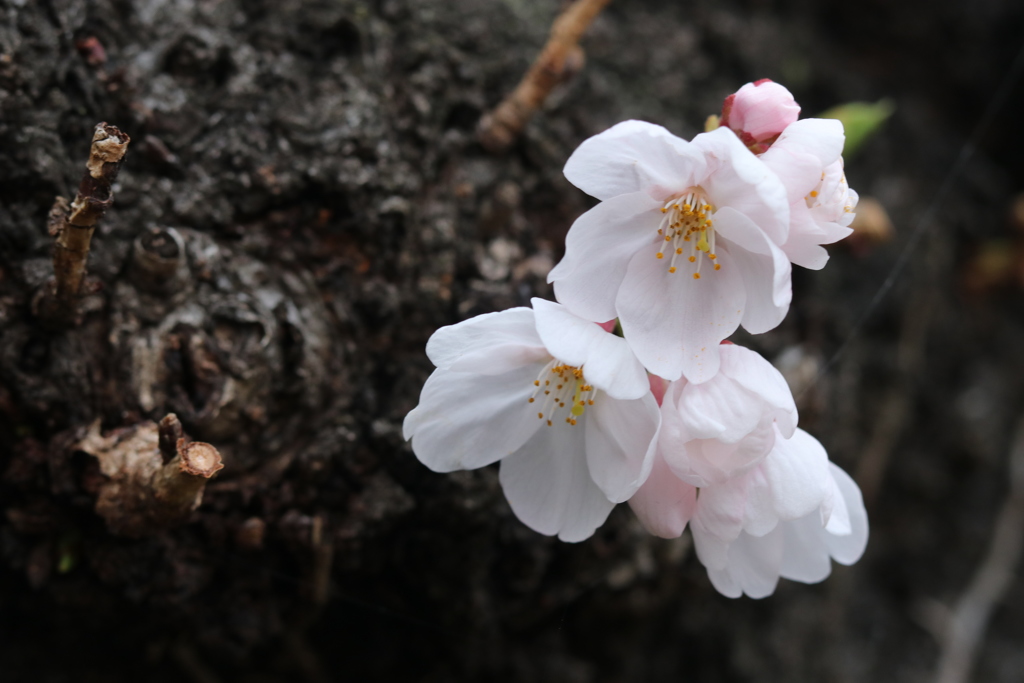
319	161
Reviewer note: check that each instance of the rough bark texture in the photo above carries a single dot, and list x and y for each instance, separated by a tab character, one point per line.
304	202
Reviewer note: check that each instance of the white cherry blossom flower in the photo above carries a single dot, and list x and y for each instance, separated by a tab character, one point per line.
760	496
807	158
683	248
799	548
564	405
713	431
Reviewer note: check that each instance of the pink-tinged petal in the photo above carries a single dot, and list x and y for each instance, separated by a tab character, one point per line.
606	359
740	181
621	438
750	370
466	420
755	563
762	109
674	323
665	503
598	248
548	485
849	548
658	387
759	516
797	472
821	138
489	344
764	269
805	556
720	508
719	409
633	156
706	462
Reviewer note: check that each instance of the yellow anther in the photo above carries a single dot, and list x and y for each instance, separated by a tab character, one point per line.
692	259
712	256
814	193
718	266
672	269
696	276
679	250
530	400
659	255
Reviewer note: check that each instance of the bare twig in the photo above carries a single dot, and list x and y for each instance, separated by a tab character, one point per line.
72	226
560	58
966	625
151	484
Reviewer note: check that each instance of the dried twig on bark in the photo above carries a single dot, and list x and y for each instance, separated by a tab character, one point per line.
965	627
560	58
72	226
155	478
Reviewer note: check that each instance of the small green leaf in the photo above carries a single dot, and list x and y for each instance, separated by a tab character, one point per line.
861	120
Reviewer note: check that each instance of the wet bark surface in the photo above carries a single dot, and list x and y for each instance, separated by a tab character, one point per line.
304	202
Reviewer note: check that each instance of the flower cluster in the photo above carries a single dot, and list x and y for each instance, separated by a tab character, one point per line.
690	240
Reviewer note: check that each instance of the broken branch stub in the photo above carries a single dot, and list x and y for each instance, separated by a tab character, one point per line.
73	225
144	494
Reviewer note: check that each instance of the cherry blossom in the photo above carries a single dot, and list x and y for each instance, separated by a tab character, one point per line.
760	495
713	431
807	158
564	405
683	248
798	549
758	112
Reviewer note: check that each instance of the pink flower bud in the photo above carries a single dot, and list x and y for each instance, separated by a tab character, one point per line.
759	111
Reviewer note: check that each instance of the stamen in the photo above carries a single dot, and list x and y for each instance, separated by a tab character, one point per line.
688	219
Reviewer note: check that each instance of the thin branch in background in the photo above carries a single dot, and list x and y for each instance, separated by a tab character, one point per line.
965	626
72	226
560	58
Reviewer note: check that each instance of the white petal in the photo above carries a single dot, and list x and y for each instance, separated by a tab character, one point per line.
799	172
750	370
720	508
837	521
548	485
705	462
759	516
712	551
598	248
739	180
621	438
755	563
674	323
797	471
822	138
489	344
633	156
805	555
848	549
764	267
719	409
607	361
465	420
665	503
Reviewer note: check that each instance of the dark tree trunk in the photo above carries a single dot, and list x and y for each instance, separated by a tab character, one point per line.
304	202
